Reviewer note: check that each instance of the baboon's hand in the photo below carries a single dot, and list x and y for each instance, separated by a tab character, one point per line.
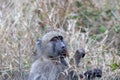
80	53
64	61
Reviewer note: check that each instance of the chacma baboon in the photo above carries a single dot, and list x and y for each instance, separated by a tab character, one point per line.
92	74
51	54
51	45
80	53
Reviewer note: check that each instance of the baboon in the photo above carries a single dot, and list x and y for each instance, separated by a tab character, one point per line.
75	60
51	45
51	57
80	53
92	74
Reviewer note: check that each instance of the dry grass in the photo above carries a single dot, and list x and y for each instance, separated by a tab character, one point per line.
22	22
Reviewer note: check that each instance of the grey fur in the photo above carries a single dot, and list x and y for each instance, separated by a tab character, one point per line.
43	68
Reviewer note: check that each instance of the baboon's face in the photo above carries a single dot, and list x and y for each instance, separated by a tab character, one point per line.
97	73
59	46
90	74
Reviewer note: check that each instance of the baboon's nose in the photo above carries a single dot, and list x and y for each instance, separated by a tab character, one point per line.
63	47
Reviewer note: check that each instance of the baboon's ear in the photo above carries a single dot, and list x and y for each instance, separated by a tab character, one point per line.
37	45
38	42
36	50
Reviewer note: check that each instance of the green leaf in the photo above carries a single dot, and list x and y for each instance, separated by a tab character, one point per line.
88	67
89	12
116	29
96	37
116	78
102	29
114	66
78	4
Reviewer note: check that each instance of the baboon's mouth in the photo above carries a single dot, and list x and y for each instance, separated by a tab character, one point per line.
98	75
64	53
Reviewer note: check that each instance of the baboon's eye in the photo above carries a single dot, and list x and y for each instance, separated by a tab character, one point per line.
57	38
54	39
60	37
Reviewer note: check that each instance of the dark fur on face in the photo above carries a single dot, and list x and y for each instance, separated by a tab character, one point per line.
91	74
59	46
60	49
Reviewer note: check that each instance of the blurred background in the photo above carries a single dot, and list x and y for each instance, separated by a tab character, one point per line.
90	24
